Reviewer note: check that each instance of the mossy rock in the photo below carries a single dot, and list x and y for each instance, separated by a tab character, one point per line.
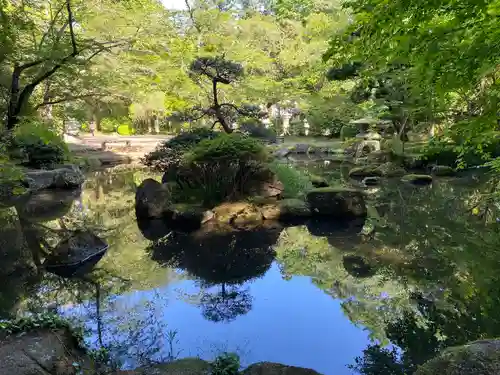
365	171
371	181
318	181
417	179
293	208
391	169
239	214
476	358
337	202
185	366
269	368
442	170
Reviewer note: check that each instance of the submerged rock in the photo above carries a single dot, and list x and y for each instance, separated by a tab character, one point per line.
152	200
365	171
270	368
66	177
417	179
337	202
477	358
442	170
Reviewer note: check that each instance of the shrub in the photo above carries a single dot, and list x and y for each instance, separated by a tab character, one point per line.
37	145
255	128
225	364
169	153
296	182
228	167
348	131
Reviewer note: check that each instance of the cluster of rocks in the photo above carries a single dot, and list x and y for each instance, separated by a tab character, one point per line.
39	182
57	352
371	173
153	200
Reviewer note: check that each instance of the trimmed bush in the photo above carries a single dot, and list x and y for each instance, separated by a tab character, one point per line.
37	145
226	168
169	153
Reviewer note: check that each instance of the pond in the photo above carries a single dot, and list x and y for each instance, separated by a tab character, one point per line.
420	274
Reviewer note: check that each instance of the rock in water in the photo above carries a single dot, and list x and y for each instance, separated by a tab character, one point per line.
417	179
66	177
270	368
476	358
365	171
442	170
291	209
47	205
337	202
282	152
152	200
301	148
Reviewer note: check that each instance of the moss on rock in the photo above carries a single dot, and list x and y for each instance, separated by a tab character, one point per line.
293	208
318	181
365	171
391	169
476	358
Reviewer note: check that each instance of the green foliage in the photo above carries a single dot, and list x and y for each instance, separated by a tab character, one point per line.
228	147
296	182
39	321
125	129
169	153
225	364
37	145
348	131
228	167
379	361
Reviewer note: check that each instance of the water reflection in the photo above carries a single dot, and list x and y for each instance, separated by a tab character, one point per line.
425	276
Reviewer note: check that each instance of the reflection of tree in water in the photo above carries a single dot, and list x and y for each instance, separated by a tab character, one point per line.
226	305
220	256
451	262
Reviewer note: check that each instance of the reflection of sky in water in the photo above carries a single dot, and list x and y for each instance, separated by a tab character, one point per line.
292	322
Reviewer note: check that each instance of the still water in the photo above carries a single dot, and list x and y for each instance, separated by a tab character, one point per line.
420	274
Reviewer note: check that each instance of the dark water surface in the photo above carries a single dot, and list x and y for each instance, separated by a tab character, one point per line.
421	273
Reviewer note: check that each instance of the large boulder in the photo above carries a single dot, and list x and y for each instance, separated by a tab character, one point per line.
270	368
291	209
188	217
301	148
65	177
271	189
337	202
152	200
43	352
238	214
47	205
476	358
